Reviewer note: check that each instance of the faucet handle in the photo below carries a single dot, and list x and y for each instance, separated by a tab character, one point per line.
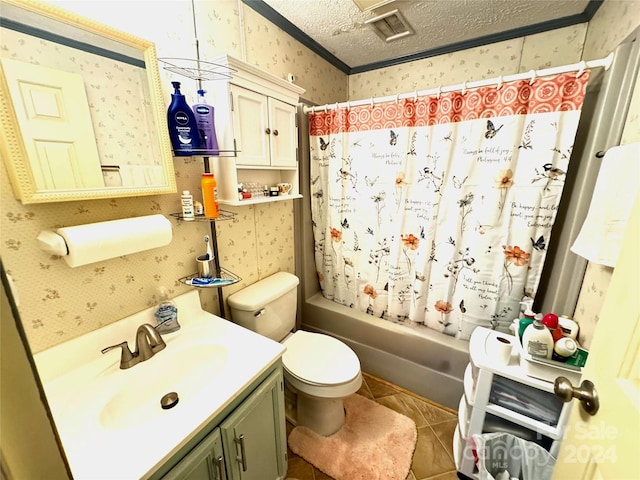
126	357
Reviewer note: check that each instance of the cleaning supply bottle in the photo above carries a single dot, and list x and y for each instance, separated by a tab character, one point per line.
568	326
206	125
525	321
550	320
537	340
563	349
166	313
210	195
186	199
183	128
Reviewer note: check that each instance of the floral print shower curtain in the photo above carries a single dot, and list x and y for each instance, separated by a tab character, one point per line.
438	210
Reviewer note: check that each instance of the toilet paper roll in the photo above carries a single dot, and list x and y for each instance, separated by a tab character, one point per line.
499	349
100	241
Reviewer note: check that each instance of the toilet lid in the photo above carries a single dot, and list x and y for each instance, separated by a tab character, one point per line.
319	359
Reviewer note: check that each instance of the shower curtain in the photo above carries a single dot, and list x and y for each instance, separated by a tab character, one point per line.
437	210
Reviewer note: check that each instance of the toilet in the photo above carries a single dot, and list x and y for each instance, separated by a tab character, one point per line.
319	370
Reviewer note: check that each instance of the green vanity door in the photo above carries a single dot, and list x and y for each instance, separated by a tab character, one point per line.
254	435
204	462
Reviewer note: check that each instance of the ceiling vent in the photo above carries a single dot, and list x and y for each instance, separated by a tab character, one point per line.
390	26
366	5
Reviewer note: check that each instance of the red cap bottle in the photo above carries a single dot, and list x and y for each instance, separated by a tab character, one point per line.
550	320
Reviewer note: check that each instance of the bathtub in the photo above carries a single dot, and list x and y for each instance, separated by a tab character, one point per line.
418	359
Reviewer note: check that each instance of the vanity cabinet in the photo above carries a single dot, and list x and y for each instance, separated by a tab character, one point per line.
502	398
249	444
255	119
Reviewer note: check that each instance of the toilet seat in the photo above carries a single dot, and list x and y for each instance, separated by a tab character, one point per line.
320	365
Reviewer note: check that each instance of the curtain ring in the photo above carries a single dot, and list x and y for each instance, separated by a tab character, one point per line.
533	77
415	95
439	91
325	108
336	106
372	101
499	86
583	65
397	98
348	105
464	87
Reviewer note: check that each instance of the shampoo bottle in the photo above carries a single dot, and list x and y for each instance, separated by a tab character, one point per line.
537	340
166	314
183	128
206	125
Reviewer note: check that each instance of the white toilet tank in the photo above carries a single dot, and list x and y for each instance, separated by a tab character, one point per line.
267	307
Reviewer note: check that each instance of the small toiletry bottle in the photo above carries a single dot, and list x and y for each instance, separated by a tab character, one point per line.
186	200
537	340
210	195
550	320
568	326
198	208
166	313
525	321
563	349
183	129
206	126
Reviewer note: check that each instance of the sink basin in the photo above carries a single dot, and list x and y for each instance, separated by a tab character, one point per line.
116	400
107	417
137	400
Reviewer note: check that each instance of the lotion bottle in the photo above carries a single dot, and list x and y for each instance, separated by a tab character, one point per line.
537	340
166	313
183	129
206	125
186	200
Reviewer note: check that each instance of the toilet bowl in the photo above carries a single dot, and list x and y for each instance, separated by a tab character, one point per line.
319	369
322	371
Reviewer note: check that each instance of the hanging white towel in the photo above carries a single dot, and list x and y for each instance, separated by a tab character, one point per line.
618	183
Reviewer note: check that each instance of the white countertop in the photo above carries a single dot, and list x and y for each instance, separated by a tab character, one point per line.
107	431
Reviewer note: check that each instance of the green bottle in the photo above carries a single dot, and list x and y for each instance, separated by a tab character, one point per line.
525	321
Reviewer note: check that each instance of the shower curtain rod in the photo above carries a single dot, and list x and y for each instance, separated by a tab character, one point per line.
532	75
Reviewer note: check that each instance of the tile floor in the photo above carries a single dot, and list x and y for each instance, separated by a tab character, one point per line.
433	457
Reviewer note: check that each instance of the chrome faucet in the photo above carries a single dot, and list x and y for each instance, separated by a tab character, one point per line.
148	343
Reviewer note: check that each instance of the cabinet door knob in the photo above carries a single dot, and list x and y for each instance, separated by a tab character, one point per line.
275	132
268	131
586	393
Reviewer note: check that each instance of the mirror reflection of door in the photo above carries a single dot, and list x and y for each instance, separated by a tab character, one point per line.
52	112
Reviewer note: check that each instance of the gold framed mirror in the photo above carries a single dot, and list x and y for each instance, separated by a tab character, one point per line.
81	108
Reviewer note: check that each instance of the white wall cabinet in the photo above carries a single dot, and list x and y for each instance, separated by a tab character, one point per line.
255	116
503	398
265	130
249	444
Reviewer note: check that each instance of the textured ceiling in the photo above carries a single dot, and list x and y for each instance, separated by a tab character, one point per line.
439	25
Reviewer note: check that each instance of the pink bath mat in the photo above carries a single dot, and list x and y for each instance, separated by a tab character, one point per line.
375	443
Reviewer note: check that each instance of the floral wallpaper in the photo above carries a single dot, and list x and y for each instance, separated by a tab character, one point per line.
542	50
58	303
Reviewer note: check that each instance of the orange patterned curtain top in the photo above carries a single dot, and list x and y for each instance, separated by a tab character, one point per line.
563	92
